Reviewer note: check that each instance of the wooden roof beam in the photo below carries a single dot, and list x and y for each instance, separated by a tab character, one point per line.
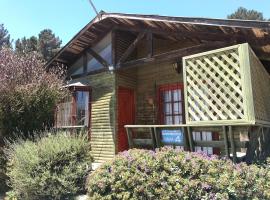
61	61
201	35
131	48
98	57
175	55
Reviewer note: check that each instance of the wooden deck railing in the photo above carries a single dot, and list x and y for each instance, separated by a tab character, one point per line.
155	140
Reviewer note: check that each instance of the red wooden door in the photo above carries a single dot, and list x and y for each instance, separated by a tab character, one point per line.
126	115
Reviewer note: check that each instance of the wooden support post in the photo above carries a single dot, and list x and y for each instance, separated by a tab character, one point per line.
157	136
130	139
225	135
153	138
186	140
190	139
150	48
114	48
232	144
84	63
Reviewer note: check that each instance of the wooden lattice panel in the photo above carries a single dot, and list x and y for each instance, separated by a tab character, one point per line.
261	89
216	86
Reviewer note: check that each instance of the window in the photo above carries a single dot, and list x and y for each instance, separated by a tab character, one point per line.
103	48
77	67
75	109
82	108
171	111
171	108
171	104
105	52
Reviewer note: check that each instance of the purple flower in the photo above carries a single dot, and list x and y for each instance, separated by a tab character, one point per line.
109	169
124	154
212	196
206	187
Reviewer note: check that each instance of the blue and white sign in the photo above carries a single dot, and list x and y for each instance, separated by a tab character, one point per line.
172	137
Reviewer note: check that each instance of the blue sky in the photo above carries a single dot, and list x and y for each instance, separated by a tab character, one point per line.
67	17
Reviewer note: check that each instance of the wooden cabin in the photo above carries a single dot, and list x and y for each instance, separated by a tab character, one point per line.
147	81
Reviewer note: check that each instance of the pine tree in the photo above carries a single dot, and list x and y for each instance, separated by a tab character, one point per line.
48	44
245	14
26	45
4	37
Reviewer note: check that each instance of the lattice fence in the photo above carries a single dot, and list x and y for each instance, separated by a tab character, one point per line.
217	86
261	89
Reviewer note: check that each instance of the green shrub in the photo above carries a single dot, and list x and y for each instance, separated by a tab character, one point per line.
29	93
26	111
174	174
51	167
3	186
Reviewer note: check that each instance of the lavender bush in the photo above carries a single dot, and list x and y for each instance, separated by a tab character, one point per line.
174	174
54	166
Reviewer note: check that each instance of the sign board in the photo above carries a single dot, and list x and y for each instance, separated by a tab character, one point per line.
172	137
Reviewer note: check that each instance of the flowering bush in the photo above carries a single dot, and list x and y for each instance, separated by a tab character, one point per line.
175	174
28	92
51	167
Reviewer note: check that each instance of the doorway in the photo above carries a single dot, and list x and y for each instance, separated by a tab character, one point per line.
126	115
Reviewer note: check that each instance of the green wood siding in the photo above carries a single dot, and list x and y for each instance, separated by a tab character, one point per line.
102	115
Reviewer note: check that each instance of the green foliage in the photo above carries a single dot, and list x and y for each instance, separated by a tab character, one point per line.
26	45
3	186
27	109
48	43
10	195
51	167
4	37
28	93
245	14
173	174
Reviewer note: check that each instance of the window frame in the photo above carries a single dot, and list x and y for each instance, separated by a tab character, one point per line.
170	87
73	114
86	58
